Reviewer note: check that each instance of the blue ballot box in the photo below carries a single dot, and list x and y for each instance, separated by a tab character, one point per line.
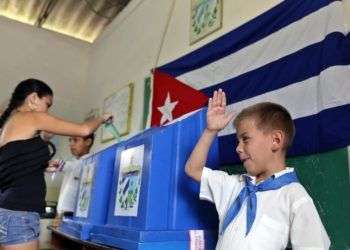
153	203
93	194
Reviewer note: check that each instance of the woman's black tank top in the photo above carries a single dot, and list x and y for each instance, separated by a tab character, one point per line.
22	182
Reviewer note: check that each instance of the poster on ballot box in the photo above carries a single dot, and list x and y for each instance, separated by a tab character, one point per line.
129	181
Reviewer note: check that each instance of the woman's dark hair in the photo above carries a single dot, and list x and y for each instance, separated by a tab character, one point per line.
20	93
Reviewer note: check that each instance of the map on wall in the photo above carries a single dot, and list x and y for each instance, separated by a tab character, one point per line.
119	104
129	182
85	188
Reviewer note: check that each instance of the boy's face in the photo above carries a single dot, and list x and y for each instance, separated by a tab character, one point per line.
255	147
79	146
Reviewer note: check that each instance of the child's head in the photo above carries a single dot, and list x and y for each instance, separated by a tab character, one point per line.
80	146
264	131
33	93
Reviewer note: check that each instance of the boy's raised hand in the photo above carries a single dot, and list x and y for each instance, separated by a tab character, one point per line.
217	118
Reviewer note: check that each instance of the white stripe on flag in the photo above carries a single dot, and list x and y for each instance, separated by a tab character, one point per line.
328	90
292	38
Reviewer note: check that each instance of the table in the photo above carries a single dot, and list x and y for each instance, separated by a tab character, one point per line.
62	241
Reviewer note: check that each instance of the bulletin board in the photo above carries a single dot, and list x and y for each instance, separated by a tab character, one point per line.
119	104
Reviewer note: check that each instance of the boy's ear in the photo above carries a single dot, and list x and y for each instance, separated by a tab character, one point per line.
277	140
88	142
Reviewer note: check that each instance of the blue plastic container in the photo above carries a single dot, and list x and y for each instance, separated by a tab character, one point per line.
153	203
93	194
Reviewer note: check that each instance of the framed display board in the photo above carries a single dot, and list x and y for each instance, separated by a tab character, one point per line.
119	104
206	17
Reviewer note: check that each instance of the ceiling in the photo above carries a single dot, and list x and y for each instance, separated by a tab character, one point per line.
81	19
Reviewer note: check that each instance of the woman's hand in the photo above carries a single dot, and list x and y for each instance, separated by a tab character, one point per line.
55	166
107	117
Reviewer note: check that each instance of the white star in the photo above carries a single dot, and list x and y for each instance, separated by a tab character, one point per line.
167	110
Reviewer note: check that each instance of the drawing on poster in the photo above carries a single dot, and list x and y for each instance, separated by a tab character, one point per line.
129	181
85	188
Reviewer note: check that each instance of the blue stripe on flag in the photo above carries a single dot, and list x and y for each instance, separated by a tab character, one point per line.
321	132
296	67
273	20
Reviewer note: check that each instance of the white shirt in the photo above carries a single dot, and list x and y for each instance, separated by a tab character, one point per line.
69	187
284	215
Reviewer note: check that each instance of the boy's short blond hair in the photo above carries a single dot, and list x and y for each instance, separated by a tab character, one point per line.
269	116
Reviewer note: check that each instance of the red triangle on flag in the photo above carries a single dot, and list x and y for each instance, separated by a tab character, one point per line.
172	98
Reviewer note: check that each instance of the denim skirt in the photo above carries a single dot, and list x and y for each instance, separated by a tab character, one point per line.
17	227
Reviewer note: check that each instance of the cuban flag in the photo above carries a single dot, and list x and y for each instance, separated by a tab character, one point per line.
296	54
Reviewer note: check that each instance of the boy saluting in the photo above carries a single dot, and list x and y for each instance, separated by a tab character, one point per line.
267	208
